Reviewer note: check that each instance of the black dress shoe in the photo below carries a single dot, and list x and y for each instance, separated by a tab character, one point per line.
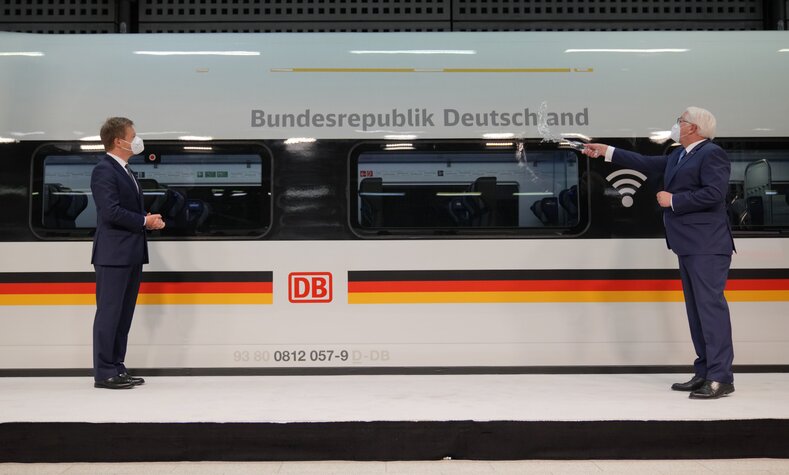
131	379
712	390
114	383
695	383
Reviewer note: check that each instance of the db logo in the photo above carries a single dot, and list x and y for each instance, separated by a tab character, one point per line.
304	287
365	173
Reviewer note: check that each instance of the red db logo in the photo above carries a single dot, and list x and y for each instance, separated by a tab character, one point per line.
306	287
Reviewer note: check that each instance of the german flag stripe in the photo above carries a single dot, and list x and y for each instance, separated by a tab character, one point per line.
513	285
76	277
510	286
157	288
550	274
552	285
142	299
145	288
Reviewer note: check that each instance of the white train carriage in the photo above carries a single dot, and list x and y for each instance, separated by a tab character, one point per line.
388	202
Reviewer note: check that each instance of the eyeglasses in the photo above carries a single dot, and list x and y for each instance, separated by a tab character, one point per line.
680	119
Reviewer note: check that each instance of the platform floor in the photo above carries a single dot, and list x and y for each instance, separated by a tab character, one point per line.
389	418
282	399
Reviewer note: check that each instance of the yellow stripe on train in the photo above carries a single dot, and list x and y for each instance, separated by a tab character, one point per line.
142	299
559	297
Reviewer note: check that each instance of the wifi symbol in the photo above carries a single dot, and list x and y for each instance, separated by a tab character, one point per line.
627	185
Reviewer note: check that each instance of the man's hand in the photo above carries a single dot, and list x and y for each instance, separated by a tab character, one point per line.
154	222
594	150
664	199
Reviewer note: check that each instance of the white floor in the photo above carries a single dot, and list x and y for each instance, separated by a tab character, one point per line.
444	467
388	398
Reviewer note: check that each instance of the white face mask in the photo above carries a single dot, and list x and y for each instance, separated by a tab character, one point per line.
675	133
137	145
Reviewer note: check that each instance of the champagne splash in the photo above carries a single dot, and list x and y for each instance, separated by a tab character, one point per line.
542	125
520	153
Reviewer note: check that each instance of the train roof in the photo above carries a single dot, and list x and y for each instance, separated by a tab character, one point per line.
392	85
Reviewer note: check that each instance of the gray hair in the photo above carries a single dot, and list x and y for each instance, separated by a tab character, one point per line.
704	120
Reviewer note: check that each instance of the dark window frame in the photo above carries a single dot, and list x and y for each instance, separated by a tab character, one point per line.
734	146
460	146
158	148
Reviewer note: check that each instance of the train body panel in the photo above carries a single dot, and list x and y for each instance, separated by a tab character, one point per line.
562	327
297	253
434	85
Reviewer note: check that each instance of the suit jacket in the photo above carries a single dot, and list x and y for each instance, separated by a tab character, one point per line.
699	222
120	232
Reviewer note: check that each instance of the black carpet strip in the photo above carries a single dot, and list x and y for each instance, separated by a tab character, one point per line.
387	441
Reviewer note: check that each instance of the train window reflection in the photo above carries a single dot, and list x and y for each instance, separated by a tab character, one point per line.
206	194
466	190
759	190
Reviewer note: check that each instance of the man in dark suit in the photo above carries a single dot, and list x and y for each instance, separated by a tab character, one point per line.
696	179
119	251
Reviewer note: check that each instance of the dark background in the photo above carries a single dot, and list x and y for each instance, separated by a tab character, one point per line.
239	16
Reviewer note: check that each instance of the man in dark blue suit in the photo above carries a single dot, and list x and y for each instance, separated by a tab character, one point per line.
696	179
119	251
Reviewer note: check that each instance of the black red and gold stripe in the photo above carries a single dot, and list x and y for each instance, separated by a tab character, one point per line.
508	286
157	288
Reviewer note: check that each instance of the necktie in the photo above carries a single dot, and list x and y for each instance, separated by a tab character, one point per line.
681	155
129	172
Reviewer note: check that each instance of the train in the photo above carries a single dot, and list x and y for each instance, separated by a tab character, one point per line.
388	202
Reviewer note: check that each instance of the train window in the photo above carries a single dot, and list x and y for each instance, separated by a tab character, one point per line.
759	190
464	188
206	190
